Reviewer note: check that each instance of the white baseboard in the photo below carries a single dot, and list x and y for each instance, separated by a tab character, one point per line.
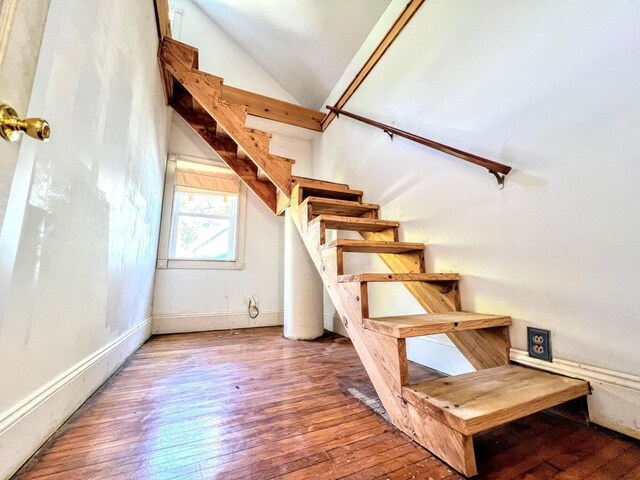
615	399
29	423
201	322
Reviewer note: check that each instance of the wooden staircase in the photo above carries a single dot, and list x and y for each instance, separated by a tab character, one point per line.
441	415
198	97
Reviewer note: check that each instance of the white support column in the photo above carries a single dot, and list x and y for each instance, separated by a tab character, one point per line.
303	309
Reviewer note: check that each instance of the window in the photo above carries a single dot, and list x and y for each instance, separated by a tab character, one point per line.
203	216
203	225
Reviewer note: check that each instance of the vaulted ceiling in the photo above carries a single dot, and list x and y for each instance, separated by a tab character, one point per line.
304	44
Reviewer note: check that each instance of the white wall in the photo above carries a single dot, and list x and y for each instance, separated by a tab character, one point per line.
205	299
304	44
201	299
80	298
220	55
550	88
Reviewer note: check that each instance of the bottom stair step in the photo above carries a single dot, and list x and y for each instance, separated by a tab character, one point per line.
485	399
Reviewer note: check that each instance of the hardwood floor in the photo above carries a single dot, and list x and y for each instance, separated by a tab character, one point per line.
249	404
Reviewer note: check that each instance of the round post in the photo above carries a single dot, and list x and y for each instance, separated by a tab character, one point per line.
303	309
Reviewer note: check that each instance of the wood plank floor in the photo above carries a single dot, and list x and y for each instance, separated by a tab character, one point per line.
251	405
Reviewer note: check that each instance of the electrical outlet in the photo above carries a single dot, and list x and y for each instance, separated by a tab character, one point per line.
539	343
254	311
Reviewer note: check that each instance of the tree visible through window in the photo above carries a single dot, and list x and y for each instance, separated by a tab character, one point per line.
202	216
204	225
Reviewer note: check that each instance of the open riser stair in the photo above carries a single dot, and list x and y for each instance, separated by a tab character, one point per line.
198	97
441	415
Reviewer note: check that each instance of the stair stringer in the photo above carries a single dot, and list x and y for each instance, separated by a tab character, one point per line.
179	60
484	348
226	149
383	357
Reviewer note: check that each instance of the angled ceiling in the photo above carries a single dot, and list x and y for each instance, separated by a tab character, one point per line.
304	44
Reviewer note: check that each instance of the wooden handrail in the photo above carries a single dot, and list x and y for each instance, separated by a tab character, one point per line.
494	167
409	11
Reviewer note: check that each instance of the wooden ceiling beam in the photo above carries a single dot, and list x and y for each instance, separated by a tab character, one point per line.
274	109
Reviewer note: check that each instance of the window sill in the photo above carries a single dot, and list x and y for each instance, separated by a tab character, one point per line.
169	264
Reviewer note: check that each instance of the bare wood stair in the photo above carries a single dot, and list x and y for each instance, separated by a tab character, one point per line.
478	401
320	205
365	246
355	224
316	188
380	342
226	148
406	326
441	415
198	97
399	277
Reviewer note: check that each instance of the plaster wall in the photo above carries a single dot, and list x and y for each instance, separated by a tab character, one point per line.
222	56
80	291
206	299
550	88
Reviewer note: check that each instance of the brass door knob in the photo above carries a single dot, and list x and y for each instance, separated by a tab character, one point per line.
11	126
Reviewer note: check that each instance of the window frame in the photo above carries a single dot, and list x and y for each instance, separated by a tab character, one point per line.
166	227
175	216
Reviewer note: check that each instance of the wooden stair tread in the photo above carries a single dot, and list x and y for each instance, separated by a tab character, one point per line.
356	224
417	325
322	205
399	277
322	186
365	246
331	191
481	400
314	181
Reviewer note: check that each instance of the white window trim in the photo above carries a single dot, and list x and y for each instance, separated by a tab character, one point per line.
176	24
167	213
